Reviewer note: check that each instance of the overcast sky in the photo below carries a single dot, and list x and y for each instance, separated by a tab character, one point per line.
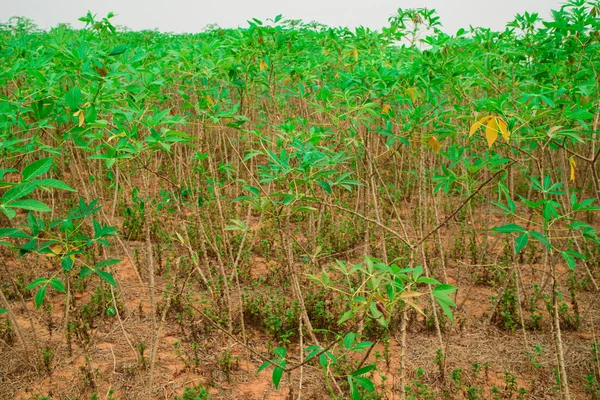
193	15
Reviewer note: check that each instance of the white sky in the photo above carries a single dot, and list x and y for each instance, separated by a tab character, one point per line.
193	15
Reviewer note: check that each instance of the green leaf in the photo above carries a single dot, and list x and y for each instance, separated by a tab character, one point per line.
324	185
509	228
331	357
54	184
440	293
252	154
280	352
277	374
66	263
58	285
364	382
85	271
429	281
73	98
107	262
520	242
3	310
347	315
446	308
120	49
36	282
446	289
36	169
30	204
13	233
10	213
21	190
312	351
106	277
349	340
363	370
263	366
569	259
323	360
40	296
354	394
541	238
4	171
362	346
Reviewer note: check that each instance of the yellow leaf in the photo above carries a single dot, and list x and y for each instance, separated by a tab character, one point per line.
354	53
409	294
553	130
385	109
478	125
413	305
503	129
434	144
263	65
491	132
337	76
57	250
122	134
412	93
573	164
81	118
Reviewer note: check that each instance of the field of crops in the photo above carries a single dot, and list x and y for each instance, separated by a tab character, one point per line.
292	211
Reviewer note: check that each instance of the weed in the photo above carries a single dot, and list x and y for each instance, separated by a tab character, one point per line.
7	333
198	392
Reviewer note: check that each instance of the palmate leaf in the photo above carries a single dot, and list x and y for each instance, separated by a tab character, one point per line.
441	294
104	275
279	365
43	283
355	378
493	126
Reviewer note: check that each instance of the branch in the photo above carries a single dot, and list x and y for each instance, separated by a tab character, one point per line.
256	353
390	230
465	201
